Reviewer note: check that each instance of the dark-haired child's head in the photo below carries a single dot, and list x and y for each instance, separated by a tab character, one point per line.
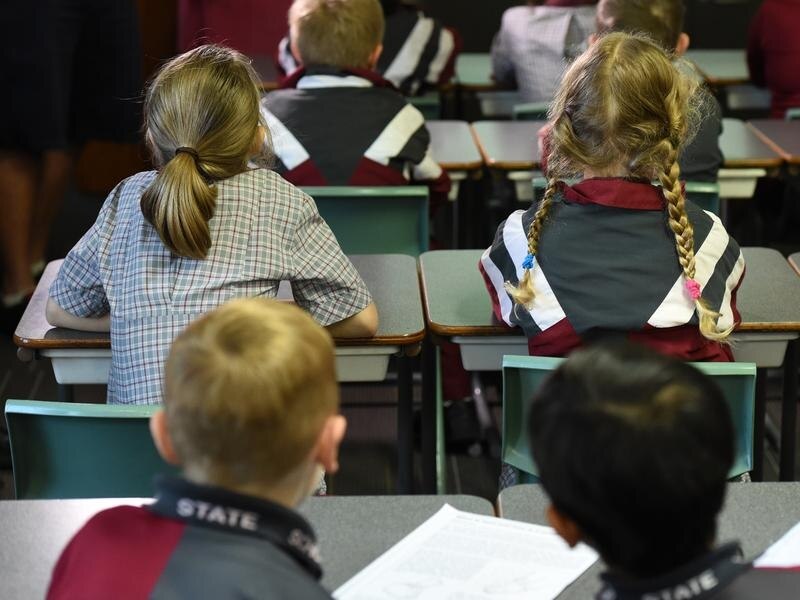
338	33
633	449
661	20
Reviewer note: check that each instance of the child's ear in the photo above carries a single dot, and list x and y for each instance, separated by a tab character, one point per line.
683	44
593	37
161	438
258	141
564	526
295	50
376	54
326	452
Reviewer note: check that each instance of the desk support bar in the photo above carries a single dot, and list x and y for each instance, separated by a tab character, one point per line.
789	413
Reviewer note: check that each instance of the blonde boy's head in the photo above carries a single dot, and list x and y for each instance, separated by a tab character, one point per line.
248	389
340	33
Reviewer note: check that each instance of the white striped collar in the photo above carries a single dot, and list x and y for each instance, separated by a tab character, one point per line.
312	82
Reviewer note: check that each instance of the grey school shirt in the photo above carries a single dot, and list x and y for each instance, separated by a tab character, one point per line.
264	231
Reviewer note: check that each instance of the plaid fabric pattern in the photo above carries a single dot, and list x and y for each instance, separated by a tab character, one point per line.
534	45
264	231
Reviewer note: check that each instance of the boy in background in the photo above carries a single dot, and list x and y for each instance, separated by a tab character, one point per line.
419	53
251	414
633	450
536	42
662	20
336	121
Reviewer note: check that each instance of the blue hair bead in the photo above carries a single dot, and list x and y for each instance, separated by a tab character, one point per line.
528	262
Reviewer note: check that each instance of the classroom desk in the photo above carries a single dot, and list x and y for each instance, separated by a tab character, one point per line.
352	532
782	136
457	308
511	147
794	260
721	67
474	71
85	358
755	514
454	148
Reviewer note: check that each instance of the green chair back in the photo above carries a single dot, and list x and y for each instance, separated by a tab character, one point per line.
531	111
703	194
70	450
376	220
522	376
792	114
430	105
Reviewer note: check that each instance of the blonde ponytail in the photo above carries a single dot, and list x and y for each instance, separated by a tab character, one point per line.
201	119
179	204
684	244
523	293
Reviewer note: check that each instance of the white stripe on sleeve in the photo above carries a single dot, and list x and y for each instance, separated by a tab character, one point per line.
427	169
677	307
446	45
396	135
284	144
726	310
407	59
498	283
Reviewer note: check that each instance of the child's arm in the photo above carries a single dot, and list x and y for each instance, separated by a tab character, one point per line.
362	324
58	317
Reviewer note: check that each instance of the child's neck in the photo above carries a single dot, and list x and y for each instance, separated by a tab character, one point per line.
290	492
612	171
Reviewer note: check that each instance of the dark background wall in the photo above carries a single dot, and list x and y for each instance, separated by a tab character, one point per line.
710	23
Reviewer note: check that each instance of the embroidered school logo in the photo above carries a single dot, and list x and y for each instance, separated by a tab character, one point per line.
215	513
691	588
304	543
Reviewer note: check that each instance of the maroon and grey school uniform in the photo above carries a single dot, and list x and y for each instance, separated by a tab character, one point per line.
607	267
722	574
419	54
350	127
194	541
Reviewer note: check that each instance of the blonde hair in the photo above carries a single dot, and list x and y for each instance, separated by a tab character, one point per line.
340	33
623	102
201	119
247	390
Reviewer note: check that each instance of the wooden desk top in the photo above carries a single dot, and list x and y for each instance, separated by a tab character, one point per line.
794	260
721	67
754	514
744	149
782	136
352	532
453	146
391	278
457	303
509	145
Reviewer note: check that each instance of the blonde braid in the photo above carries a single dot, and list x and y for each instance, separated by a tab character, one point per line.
684	242
523	292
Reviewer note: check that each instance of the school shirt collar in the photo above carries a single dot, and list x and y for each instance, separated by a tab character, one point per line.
697	580
614	192
321	76
217	508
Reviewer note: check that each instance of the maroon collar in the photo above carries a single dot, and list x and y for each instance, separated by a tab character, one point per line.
616	192
290	81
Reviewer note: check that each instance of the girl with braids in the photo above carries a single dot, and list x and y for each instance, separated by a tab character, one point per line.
172	244
615	255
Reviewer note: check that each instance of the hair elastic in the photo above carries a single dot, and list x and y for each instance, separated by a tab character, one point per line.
693	288
529	261
187	150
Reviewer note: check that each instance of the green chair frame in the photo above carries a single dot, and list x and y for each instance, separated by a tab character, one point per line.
522	376
531	111
430	105
71	450
376	220
703	194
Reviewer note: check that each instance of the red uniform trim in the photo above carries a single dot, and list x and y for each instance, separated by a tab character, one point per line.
305	173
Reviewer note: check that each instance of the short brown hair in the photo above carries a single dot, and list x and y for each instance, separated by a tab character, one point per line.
341	33
247	390
662	20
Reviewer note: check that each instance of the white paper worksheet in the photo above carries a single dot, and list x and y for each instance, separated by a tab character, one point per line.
456	555
783	554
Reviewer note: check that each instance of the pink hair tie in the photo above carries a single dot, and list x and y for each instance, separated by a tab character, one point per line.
693	288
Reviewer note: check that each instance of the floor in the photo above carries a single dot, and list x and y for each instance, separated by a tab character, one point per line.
367	459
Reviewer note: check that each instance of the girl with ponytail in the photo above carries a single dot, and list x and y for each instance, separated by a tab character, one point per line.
206	226
616	254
